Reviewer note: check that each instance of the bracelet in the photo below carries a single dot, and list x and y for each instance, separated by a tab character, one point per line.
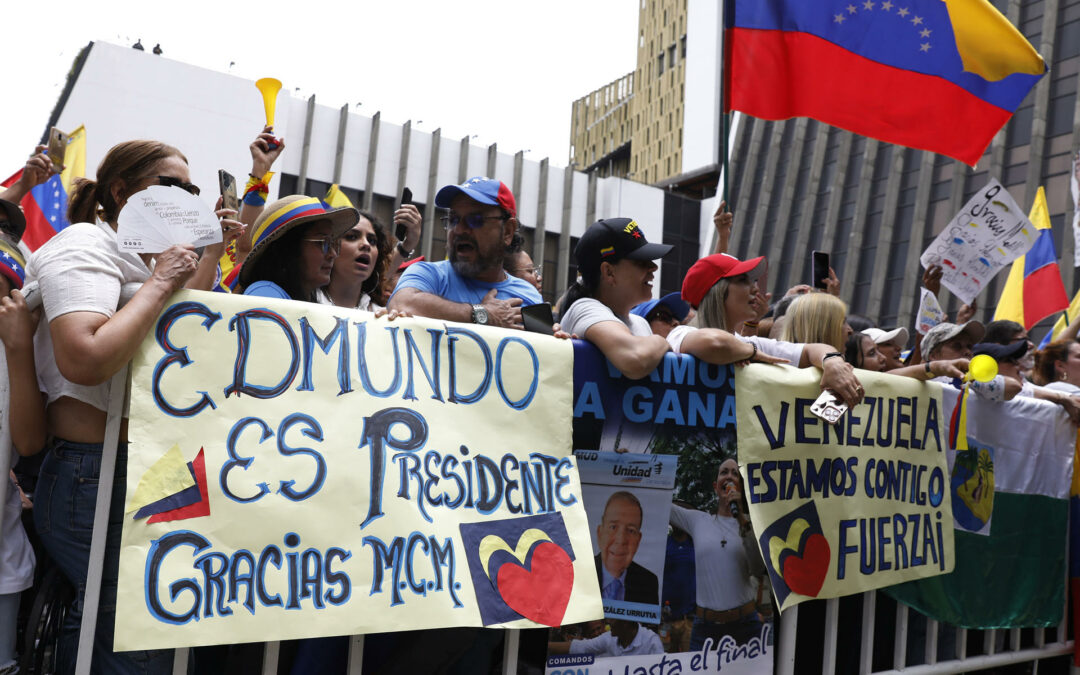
928	371
754	355
257	189
404	254
829	356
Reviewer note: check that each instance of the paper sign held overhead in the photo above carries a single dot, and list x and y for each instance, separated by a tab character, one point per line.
989	233
161	216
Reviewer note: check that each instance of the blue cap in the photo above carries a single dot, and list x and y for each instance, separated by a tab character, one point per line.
479	189
672	301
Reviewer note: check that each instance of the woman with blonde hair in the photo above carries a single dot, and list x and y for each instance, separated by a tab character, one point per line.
817	317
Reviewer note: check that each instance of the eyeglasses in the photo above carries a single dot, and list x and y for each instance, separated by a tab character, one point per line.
535	269
473	220
327	244
169	181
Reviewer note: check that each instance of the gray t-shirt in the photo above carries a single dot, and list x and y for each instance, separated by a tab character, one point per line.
587	312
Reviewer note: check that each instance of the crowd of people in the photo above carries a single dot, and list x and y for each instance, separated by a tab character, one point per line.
100	302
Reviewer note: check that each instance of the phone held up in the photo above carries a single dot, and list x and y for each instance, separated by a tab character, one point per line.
58	142
227	184
820	267
402	229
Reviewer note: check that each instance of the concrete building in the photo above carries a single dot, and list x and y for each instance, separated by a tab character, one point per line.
119	94
659	124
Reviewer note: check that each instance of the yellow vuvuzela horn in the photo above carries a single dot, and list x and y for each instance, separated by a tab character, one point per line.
269	87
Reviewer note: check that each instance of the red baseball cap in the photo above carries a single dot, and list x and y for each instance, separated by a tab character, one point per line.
704	274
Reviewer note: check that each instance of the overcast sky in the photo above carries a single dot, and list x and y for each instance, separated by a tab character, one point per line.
505	70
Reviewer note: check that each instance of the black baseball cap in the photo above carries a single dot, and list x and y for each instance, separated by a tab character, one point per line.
1010	352
12	220
614	239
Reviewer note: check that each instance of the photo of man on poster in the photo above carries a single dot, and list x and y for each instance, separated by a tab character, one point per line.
618	536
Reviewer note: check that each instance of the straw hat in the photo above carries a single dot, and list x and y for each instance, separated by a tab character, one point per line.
288	213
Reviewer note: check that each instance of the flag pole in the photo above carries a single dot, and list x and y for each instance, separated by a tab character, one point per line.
725	7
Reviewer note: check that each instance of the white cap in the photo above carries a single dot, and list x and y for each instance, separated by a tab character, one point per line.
896	336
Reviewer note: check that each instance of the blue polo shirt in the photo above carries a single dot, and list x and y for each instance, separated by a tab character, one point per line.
440	279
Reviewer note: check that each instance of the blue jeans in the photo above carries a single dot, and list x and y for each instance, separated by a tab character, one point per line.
64	503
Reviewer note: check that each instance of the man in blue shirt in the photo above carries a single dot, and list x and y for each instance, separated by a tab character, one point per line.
471	286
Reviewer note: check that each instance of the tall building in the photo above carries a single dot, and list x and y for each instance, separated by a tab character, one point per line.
799	185
635	127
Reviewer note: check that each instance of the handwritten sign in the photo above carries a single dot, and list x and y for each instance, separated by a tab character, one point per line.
160	216
845	508
930	312
627	499
989	232
351	475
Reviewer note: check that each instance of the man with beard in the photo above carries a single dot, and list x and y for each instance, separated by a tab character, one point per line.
472	285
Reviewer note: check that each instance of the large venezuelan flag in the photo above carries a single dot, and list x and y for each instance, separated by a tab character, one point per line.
45	206
1034	289
935	75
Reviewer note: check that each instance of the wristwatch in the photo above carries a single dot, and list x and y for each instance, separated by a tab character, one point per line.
404	253
479	315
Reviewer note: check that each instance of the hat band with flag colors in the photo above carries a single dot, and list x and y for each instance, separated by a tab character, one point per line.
1034	289
287	213
12	264
309	206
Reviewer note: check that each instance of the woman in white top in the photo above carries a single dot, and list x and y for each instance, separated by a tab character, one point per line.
361	271
1057	366
616	267
83	342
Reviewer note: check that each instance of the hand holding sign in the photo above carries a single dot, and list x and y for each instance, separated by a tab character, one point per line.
989	232
162	216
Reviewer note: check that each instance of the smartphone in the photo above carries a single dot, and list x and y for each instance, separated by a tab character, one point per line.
58	142
402	229
538	318
829	407
820	269
227	184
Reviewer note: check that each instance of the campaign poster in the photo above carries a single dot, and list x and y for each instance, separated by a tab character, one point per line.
716	607
628	497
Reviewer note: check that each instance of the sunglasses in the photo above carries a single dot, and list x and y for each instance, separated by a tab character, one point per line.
169	181
473	220
327	244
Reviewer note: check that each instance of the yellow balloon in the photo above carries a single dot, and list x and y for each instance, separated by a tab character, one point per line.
982	368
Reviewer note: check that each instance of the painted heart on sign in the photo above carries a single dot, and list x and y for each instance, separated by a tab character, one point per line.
542	592
805	574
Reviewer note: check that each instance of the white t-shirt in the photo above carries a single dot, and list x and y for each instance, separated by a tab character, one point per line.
792	351
16	554
1066	387
587	312
323	298
645	642
723	569
81	269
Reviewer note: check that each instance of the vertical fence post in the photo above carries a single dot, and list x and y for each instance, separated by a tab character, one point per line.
92	594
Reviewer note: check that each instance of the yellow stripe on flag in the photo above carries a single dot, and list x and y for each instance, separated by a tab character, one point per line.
989	45
336	198
74	158
1010	306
